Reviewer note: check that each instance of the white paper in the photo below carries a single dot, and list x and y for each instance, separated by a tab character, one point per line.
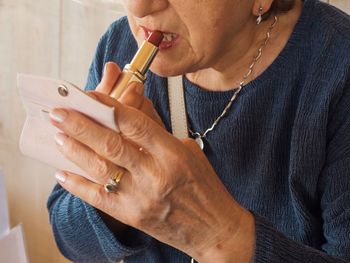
12	249
4	215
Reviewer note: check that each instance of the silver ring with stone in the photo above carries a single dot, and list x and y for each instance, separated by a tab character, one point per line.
112	185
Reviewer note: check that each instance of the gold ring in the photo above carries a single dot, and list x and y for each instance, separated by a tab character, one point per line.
112	184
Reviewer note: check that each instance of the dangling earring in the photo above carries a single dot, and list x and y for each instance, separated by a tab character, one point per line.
259	19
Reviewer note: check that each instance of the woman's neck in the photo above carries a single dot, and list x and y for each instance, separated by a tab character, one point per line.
225	75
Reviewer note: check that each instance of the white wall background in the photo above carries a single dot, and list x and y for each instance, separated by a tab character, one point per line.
55	38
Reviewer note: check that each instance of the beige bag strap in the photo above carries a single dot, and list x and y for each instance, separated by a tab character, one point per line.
177	107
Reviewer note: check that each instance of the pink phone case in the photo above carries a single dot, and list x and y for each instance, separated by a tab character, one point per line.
39	96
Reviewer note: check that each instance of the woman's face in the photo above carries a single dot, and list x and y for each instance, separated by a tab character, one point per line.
198	32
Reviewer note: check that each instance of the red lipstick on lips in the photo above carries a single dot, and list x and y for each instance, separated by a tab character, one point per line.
156	37
136	70
166	43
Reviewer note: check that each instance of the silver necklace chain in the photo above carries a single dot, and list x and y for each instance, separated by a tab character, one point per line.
199	136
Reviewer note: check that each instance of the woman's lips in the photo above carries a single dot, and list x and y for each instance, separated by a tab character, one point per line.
169	39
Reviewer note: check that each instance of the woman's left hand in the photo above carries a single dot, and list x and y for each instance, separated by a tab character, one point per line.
169	190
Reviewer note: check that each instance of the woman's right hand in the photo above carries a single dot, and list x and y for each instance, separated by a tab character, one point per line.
133	96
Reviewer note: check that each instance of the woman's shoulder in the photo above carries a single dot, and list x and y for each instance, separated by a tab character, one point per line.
323	41
334	18
333	22
119	29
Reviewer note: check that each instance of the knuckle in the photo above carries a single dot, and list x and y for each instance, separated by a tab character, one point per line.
78	128
112	145
100	167
140	128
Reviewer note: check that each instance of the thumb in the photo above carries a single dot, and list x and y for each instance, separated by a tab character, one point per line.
111	74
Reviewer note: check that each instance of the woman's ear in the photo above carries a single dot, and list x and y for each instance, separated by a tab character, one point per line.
261	7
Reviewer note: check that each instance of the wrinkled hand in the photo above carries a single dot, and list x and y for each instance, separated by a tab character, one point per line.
169	189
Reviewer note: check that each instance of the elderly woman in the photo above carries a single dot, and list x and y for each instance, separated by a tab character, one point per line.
267	90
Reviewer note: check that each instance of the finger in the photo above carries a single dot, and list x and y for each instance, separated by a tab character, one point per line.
134	126
143	130
111	74
133	95
105	142
148	108
138	101
97	167
103	98
90	192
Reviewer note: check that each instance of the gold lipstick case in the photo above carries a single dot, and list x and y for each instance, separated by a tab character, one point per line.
136	70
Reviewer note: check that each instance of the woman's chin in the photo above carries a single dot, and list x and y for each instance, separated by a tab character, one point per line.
165	71
168	68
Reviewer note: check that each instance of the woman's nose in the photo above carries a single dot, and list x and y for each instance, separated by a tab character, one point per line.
142	8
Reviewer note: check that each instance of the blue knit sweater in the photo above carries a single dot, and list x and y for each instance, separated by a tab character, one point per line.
283	150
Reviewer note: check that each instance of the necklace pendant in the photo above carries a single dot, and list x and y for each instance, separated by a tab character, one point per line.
199	141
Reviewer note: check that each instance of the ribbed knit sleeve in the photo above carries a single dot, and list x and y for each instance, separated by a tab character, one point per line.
274	247
80	233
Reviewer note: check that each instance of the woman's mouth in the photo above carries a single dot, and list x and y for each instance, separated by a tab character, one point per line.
169	39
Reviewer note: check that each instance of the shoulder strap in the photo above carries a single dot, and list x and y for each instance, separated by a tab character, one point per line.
177	107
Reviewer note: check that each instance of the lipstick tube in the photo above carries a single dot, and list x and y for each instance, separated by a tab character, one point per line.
136	70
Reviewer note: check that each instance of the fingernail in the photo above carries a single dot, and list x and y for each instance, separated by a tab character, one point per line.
60	138
58	115
139	89
61	176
